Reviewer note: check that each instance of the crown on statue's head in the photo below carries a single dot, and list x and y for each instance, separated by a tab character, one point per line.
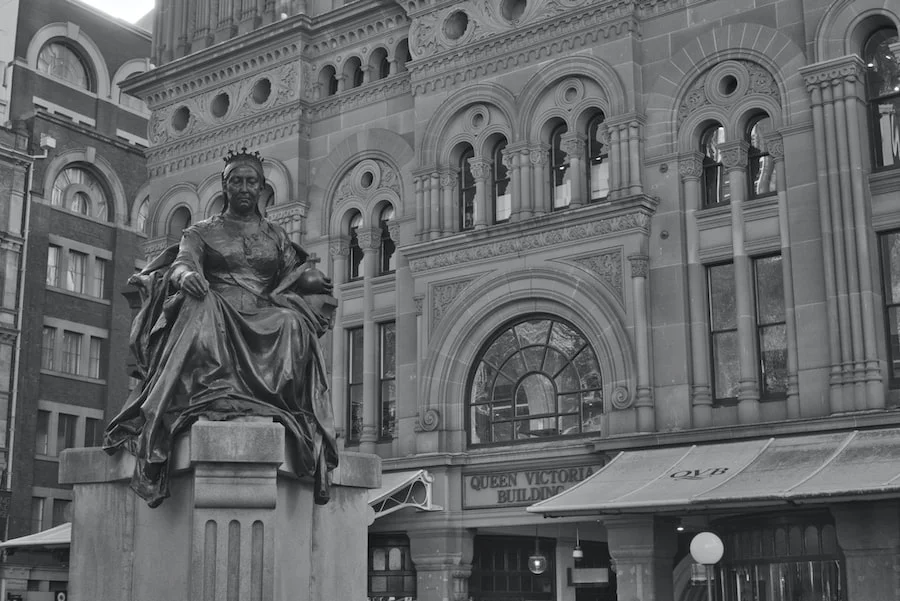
243	155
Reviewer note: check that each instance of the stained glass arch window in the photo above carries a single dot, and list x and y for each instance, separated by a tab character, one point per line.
536	378
61	61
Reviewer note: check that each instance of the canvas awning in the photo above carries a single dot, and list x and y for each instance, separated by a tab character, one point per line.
54	538
753	473
403	489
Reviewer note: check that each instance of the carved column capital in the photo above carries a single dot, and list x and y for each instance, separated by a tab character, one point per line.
572	144
734	154
640	266
339	247
394	231
774	145
833	72
539	155
690	165
449	179
419	299
481	169
369	239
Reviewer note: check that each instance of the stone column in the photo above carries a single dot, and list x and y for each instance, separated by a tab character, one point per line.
643	403
775	147
443	560
434	227
642	548
407	353
339	248
421	206
869	536
370	243
510	160
525	202
572	143
540	170
449	182
690	167
481	172
734	158
635	140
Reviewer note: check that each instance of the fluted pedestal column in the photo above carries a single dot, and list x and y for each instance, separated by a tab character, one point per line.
369	242
443	560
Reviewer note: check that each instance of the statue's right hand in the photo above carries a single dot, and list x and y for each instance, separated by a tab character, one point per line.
194	284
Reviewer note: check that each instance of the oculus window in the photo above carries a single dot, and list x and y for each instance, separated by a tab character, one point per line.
536	378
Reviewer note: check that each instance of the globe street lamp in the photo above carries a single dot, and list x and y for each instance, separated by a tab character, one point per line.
707	549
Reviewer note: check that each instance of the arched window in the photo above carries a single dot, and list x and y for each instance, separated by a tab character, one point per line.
760	167
143	216
353	73
384	67
179	221
883	93
715	181
388	263
61	61
466	191
597	160
500	175
560	178
78	190
537	377
356	252
328	84
401	55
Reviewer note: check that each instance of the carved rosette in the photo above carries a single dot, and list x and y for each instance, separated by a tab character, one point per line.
727	84
691	166
640	266
428	420
620	398
607	266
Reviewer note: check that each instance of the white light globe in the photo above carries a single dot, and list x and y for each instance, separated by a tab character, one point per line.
707	548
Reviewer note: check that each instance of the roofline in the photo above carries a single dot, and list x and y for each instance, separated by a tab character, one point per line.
115	20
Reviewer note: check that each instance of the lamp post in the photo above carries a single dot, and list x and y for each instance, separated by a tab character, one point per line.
707	549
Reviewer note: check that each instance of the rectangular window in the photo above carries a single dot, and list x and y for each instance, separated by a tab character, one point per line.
724	346
770	326
65	432
10	279
48	348
37	514
62	511
71	352
387	390
53	254
94	353
354	383
99	289
890	266
42	433
6	357
76	272
93	432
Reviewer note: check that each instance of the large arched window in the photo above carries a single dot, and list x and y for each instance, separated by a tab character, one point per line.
63	62
761	167
537	377
715	181
560	184
466	187
597	161
883	92
388	261
79	190
143	216
500	175
356	253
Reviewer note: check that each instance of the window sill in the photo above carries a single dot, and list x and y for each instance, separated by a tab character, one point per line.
88	297
76	377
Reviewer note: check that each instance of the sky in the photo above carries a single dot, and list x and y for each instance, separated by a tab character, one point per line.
128	10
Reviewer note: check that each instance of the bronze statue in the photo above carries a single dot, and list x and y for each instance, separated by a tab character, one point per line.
229	327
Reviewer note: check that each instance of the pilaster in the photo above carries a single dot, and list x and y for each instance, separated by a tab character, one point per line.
370	243
640	271
642	548
869	536
443	560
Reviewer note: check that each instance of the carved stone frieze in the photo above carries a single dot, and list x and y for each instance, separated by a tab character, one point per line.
371	31
364	95
636	220
153	247
607	266
442	296
419	300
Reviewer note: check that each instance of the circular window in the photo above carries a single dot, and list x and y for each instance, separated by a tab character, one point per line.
571	94
180	118
367	179
728	85
512	10
455	25
220	105
478	120
261	91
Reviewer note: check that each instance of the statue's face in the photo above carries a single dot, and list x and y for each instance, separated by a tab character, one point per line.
242	188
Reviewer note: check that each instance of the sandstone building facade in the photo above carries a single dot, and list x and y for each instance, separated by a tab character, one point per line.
567	234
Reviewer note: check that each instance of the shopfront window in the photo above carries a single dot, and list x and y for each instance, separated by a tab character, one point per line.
782	559
538	377
392	576
500	570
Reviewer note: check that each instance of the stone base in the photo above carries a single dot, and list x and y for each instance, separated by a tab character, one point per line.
239	526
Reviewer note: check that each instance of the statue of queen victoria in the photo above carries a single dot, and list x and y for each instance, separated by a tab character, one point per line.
229	327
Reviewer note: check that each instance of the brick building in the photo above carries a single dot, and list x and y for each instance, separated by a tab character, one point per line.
73	161
572	240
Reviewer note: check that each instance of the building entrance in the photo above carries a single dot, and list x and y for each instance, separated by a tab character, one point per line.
500	570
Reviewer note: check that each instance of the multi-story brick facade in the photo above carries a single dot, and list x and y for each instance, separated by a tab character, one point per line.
71	239
561	230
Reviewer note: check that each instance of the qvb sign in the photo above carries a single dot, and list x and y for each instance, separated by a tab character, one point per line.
698	474
523	487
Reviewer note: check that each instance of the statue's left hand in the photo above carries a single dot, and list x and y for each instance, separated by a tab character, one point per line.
313	281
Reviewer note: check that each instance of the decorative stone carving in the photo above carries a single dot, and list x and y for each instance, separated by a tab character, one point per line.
369	239
734	154
371	93
290	216
339	247
640	266
481	169
774	145
620	398
845	68
442	296
449	180
419	301
607	266
428	420
573	145
366	179
394	231
637	220
691	167
726	84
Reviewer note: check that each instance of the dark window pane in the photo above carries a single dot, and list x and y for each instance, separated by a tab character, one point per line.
588	369
726	357
722	297
892	267
769	290
502	348
514	368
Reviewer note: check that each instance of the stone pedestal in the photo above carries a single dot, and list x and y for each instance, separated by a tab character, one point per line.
643	548
869	536
239	526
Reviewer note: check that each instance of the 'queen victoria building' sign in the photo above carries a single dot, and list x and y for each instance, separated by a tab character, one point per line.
511	488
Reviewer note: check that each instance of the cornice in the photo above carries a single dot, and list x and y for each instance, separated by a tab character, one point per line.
252	132
350	32
587	223
377	91
561	35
